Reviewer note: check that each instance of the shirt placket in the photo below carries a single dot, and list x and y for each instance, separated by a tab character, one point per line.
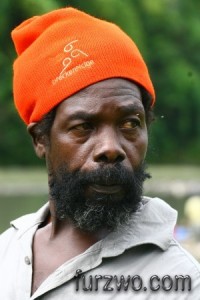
24	276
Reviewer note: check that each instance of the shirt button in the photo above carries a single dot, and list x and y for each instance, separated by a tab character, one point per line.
27	260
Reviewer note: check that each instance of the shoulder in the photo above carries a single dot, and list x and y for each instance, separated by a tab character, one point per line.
7	235
21	226
183	259
153	251
6	238
11	233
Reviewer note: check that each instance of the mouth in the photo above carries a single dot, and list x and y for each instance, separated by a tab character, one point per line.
107	189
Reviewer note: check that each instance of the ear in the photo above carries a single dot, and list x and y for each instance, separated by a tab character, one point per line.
38	140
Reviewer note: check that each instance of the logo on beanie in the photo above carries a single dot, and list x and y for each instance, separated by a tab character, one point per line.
73	53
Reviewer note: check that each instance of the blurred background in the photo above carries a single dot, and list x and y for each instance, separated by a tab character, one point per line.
167	33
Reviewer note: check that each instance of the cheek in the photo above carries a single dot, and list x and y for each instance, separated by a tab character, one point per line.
137	150
65	151
143	144
79	157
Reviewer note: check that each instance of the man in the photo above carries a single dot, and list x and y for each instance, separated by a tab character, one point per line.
83	89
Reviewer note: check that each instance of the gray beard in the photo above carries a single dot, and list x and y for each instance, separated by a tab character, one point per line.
97	211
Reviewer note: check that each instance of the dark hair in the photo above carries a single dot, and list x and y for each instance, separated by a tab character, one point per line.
43	127
147	100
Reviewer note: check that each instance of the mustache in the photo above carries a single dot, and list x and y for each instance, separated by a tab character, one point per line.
106	175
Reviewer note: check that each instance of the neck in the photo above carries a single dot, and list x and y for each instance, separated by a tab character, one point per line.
66	229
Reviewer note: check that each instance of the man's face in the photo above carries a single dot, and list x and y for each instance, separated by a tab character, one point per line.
98	143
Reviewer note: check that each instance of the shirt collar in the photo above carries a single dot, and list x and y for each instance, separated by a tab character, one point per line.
153	223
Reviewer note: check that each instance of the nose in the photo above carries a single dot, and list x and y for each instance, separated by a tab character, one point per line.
108	148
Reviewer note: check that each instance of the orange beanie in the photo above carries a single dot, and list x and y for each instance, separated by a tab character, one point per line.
64	51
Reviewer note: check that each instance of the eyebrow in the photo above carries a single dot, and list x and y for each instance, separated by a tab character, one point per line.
80	115
132	109
124	110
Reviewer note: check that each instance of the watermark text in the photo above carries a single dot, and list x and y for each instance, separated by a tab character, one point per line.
110	283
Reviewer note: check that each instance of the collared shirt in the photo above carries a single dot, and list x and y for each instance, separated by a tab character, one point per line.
140	260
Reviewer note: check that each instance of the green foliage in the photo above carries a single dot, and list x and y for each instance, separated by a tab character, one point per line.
166	32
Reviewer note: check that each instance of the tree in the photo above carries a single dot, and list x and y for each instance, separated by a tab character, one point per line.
166	32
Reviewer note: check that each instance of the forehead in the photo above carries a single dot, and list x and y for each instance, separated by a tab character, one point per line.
108	94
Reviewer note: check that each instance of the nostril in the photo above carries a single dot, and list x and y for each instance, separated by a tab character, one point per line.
102	158
120	158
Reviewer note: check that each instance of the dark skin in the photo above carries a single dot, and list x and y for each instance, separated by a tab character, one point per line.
103	124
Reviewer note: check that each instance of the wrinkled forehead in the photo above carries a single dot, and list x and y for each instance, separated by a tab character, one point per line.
112	86
115	92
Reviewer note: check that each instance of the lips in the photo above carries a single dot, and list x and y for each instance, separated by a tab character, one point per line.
106	189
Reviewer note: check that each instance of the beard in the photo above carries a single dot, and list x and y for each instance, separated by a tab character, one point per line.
93	210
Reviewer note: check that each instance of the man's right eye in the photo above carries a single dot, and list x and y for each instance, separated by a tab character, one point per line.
83	127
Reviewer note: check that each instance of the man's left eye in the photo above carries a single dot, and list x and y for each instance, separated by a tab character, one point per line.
130	124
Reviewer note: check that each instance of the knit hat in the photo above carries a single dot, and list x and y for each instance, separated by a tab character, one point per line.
64	51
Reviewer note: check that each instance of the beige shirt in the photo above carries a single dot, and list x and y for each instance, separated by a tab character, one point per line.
143	251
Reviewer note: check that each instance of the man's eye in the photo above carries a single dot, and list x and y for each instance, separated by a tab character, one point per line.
130	124
83	126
